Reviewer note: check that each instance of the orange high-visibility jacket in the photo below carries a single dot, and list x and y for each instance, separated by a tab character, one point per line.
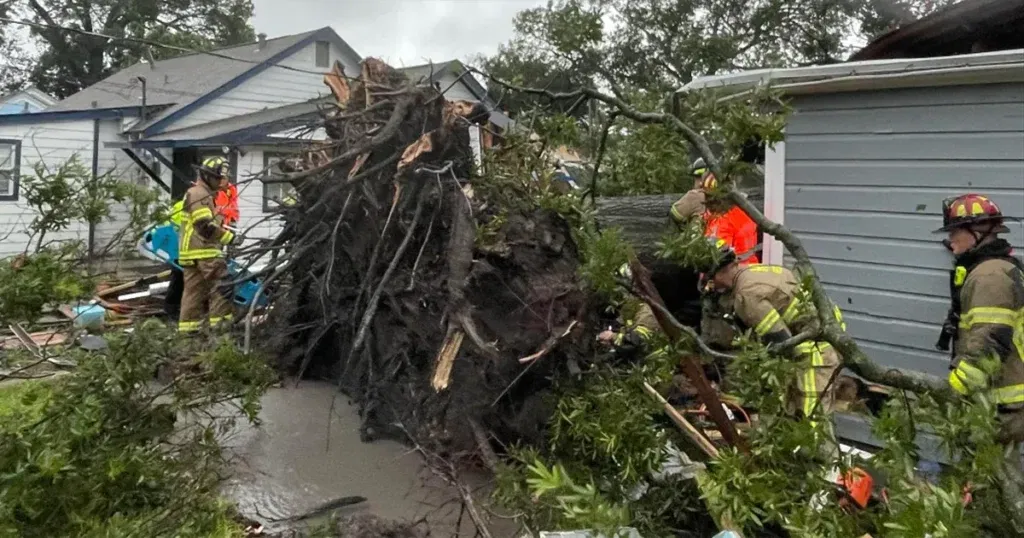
227	205
737	229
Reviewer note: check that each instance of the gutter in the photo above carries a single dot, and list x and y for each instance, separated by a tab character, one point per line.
983	74
888	69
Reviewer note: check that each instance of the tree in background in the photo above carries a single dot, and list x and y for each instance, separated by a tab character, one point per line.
664	44
71	61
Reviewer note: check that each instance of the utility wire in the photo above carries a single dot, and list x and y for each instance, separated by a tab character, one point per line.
159	45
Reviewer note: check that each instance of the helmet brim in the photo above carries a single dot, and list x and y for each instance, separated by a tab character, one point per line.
1001	229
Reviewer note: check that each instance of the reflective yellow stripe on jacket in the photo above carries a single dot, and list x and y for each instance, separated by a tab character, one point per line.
795	307
967	378
189	254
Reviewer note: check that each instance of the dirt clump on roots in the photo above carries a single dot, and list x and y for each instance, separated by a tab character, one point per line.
385	287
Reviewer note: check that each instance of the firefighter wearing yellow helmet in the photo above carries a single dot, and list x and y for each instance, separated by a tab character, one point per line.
200	252
986	319
769	301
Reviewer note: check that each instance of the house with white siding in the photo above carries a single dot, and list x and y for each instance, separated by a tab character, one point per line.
152	122
30	99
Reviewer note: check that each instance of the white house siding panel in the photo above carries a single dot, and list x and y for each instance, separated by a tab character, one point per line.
52	144
454	89
865	176
254	221
274	87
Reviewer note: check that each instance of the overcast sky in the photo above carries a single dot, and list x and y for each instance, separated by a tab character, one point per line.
401	32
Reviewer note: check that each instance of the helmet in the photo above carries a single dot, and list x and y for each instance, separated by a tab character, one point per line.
213	168
724	255
970	209
699	167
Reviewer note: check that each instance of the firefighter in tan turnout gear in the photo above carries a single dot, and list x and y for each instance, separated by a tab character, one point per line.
987	315
768	300
201	255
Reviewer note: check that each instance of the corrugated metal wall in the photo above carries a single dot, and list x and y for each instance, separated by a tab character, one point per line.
865	176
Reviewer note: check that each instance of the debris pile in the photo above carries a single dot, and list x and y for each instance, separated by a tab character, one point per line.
388	290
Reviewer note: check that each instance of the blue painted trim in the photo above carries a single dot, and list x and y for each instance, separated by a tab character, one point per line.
324	34
67	115
13	197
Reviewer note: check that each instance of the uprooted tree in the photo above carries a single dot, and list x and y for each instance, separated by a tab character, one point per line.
457	305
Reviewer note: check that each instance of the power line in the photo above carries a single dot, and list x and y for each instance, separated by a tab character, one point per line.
159	45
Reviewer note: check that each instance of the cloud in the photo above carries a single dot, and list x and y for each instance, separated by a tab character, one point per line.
402	32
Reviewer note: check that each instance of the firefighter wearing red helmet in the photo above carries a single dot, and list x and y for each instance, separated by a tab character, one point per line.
986	319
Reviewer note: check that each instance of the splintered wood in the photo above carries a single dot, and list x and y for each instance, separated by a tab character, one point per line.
446	359
338	84
454	114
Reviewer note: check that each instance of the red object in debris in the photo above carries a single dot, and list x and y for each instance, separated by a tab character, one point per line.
858	485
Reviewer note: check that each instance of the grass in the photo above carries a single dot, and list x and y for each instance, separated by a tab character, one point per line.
23	404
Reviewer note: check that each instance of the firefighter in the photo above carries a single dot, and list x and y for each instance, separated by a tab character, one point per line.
768	300
987	295
721	219
176	286
227	205
636	332
200	253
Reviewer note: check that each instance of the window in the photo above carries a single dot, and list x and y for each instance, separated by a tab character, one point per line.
323	54
10	161
274	193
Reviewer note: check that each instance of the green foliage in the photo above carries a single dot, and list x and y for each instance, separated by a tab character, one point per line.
597	471
105	453
783	483
64	66
30	283
648	159
603	256
689	247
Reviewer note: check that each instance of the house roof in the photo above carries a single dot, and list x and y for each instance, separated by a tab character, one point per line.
243	129
190	80
31	92
1002	66
420	73
989	24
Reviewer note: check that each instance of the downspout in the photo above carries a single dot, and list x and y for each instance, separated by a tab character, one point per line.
142	113
95	177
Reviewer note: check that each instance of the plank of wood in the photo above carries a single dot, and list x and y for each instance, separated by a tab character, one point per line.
138	282
684	425
39	339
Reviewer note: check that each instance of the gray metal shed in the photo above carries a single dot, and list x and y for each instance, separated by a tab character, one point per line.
870	151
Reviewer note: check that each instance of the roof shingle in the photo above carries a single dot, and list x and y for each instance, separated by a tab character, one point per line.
176	81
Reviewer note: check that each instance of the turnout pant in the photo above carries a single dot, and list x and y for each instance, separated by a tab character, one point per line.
203	295
819	360
172	302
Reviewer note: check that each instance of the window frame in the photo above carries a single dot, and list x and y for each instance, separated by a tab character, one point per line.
326	46
267	155
15	171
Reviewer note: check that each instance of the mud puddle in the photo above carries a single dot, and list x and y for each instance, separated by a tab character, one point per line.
293	462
